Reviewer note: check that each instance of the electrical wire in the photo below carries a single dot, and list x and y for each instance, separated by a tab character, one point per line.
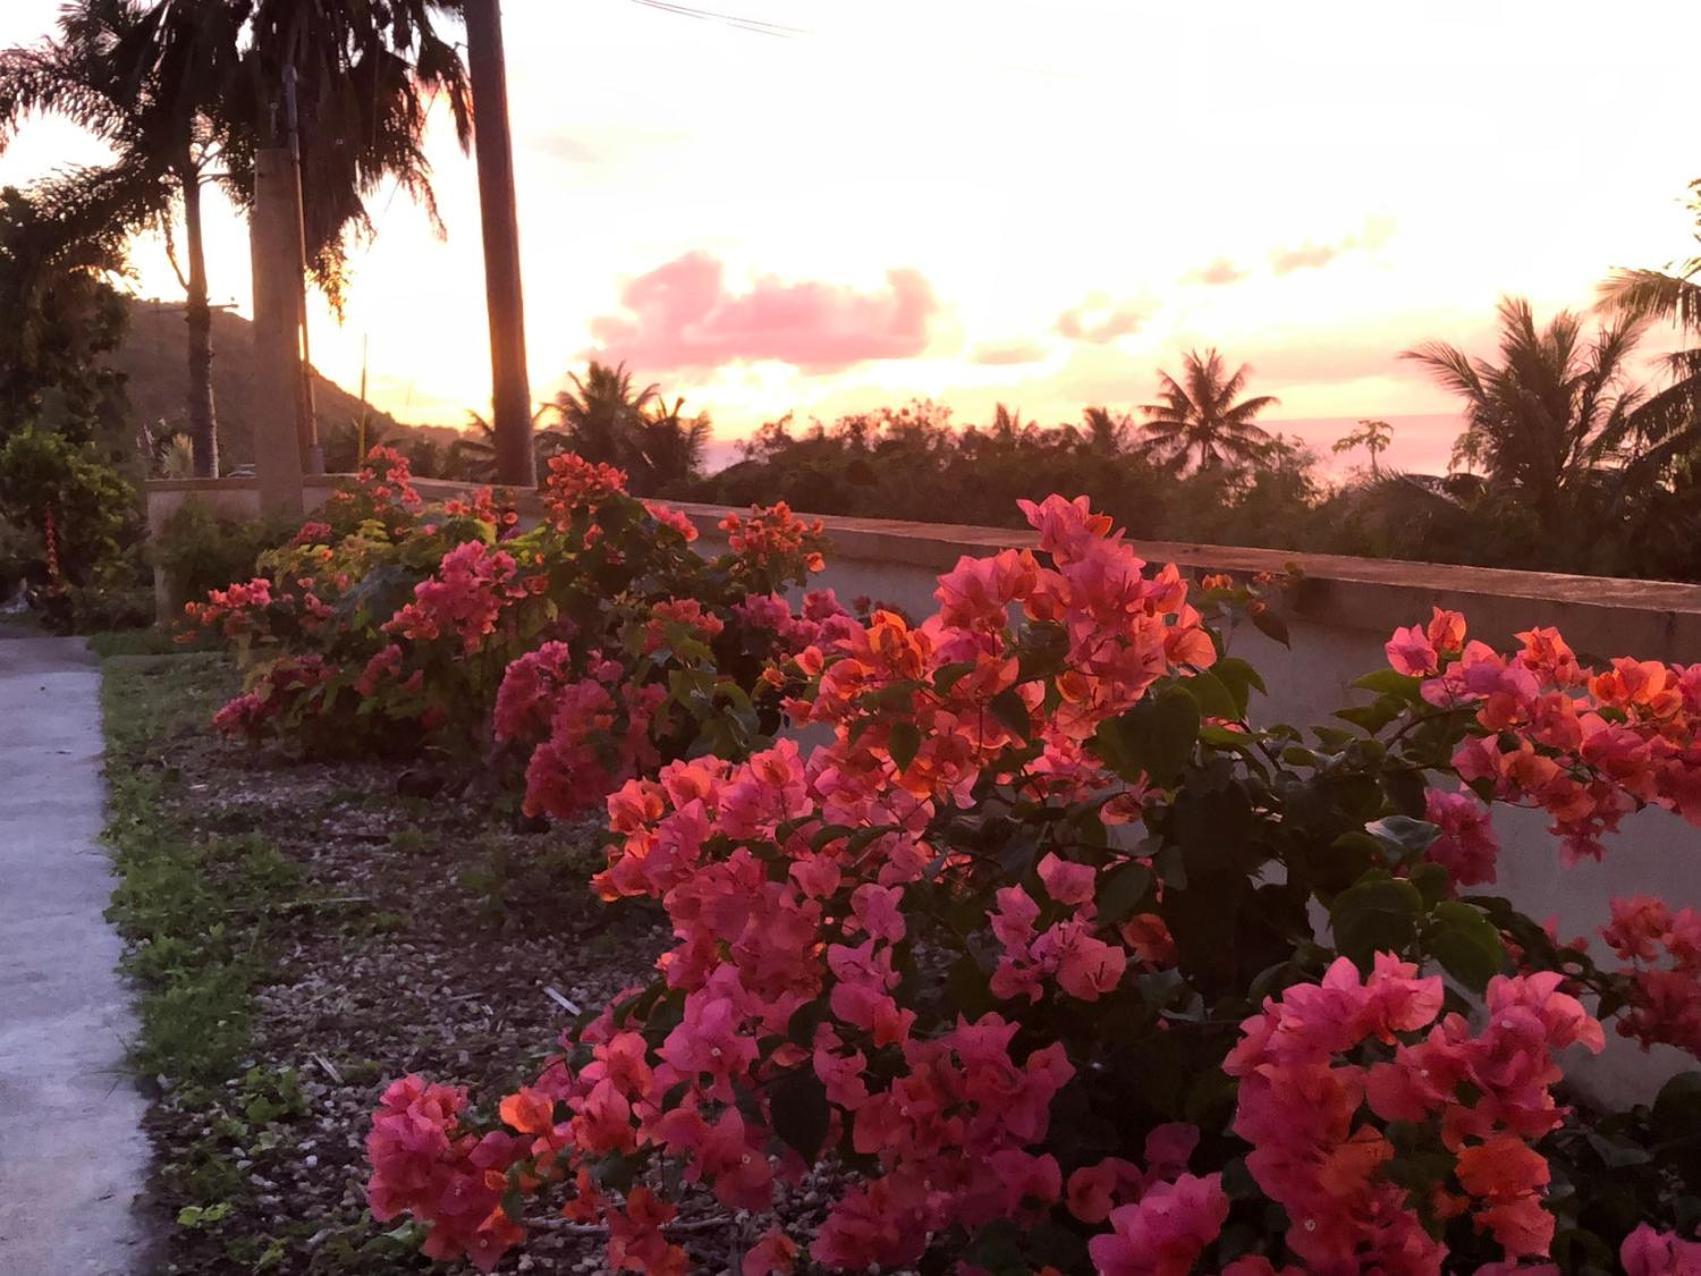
754	25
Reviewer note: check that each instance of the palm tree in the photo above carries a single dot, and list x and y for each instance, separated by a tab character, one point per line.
150	83
472	456
666	448
1553	412
63	313
1205	418
1668	425
600	413
366	72
348	444
604	418
1107	433
186	91
1373	436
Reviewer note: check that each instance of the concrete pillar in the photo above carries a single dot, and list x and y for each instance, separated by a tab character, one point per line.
280	448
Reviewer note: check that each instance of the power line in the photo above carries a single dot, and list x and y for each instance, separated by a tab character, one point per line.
754	25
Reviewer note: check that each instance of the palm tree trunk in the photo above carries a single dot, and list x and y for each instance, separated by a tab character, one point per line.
203	421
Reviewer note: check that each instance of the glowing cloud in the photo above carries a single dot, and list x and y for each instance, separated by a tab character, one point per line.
682	315
1219	272
1004	356
1310	256
1099	324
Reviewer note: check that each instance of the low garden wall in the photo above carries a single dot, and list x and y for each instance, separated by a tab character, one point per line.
1340	611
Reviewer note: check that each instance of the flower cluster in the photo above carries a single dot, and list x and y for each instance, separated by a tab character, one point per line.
1587	749
381	495
589	648
984	941
773	535
1665	998
574	487
1647	1252
1486	1095
420	1152
464	597
235	612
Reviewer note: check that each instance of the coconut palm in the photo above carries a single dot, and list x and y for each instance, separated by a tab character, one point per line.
366	73
473	455
1203	418
665	449
186	91
1668	425
1551	415
62	311
1106	433
599	414
150	82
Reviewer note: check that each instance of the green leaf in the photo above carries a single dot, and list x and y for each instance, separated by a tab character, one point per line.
1405	790
1386	682
1010	709
1432	881
1155	738
1271	625
1677	1110
948	676
1372	717
1244	742
1466	943
800	1028
1123	889
799	1111
903	741
1616	1154
1376	914
1241	679
1211	694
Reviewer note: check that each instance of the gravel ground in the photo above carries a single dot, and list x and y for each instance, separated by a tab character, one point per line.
424	934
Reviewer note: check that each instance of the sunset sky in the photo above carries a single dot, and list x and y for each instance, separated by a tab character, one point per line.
1039	203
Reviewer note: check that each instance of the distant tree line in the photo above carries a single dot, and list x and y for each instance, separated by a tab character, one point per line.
1566	461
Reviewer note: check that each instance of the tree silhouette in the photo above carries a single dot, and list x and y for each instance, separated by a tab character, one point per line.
1202	417
1552	411
1371	435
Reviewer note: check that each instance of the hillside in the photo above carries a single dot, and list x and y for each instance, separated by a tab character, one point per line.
154	362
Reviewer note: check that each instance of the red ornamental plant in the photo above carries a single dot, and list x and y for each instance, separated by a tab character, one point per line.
390	624
1028	951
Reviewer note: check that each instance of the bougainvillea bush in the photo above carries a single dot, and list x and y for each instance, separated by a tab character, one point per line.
1047	960
594	644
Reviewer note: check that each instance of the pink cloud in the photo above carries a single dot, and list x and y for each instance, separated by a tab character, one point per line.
1220	271
1307	257
1310	256
1008	355
682	315
1100	326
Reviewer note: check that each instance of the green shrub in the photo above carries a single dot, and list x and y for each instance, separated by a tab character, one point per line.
200	549
47	482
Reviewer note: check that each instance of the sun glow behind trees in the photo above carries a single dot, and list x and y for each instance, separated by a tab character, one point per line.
1015	171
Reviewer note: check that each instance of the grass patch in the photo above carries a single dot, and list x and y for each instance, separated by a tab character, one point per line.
197	910
152	641
194	910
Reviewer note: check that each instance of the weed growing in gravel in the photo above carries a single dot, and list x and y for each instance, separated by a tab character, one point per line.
195	912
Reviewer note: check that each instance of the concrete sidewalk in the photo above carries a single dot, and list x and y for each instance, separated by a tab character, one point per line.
72	1153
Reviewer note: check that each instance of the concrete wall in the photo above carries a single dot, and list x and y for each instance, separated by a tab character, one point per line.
1340	613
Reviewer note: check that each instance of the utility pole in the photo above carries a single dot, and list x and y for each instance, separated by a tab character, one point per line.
511	396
